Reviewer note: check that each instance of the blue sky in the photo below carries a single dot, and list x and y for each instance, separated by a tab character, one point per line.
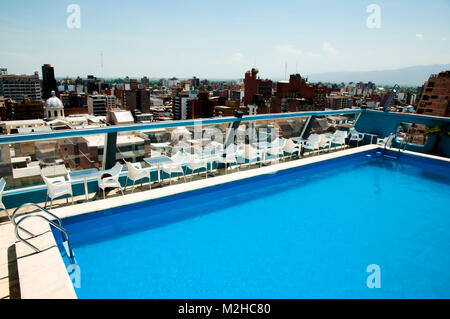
221	39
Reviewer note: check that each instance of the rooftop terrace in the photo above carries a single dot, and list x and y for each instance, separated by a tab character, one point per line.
171	157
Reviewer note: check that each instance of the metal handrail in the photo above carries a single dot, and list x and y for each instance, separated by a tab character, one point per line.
388	141
64	234
37	206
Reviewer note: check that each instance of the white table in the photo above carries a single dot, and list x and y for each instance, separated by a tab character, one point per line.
158	160
84	175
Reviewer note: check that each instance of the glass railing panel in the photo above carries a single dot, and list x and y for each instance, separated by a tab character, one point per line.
23	162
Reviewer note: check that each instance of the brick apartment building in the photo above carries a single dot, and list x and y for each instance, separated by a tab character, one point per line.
435	97
291	96
25	110
256	91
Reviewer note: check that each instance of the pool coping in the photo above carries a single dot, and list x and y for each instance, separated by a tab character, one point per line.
53	282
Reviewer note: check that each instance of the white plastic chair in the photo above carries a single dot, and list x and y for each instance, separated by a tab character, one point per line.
339	138
356	136
385	141
291	148
229	156
312	143
137	173
276	148
194	163
110	181
252	155
325	142
57	187
178	159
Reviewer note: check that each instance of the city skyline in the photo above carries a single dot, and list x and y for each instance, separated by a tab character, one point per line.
184	39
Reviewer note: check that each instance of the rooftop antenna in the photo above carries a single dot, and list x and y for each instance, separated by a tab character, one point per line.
101	62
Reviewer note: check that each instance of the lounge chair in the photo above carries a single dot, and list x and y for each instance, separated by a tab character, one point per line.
110	178
57	187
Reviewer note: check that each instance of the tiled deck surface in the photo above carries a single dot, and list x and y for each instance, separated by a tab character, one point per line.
27	274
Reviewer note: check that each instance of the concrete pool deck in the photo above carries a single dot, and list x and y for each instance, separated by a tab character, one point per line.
44	275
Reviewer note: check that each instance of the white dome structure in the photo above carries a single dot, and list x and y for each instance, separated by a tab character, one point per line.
53	107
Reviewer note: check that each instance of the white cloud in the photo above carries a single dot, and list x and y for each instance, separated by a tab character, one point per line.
312	54
287	50
444	38
238	56
419	36
327	47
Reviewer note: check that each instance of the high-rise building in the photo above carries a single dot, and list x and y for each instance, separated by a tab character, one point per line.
202	106
194	82
143	100
74	103
180	106
24	110
256	90
97	104
435	97
17	87
339	101
48	81
145	82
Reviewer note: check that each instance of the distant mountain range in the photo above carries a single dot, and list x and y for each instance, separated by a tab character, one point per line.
410	76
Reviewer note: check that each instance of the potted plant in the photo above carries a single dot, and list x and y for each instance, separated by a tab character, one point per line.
438	130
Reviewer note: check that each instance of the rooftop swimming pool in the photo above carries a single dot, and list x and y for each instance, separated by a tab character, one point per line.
308	232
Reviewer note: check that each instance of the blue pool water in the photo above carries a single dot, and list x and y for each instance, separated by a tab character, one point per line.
309	232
